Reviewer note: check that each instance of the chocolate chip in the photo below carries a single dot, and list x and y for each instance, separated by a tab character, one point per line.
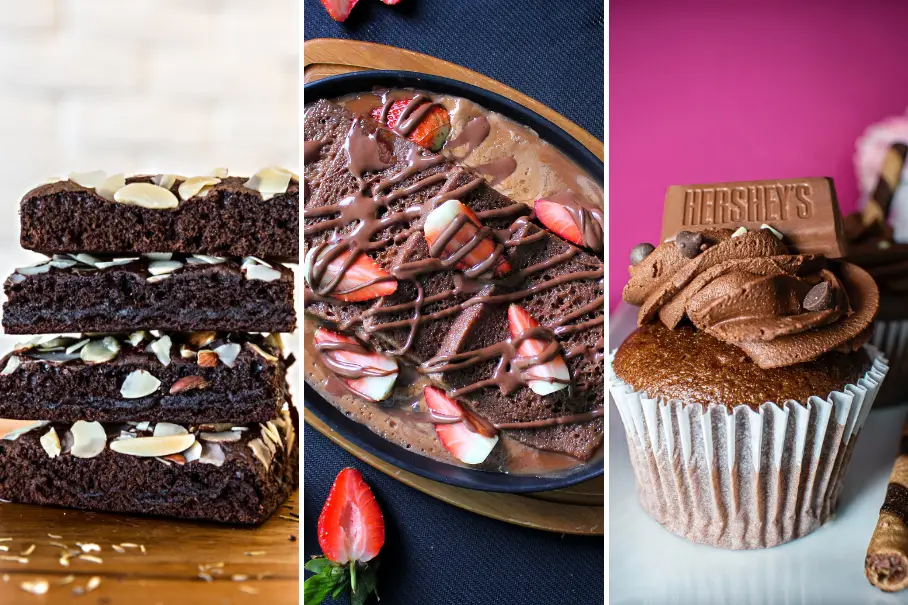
688	243
819	298
641	251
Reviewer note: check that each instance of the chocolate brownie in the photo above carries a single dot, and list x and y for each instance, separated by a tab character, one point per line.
229	219
226	475
693	366
182	293
439	311
203	376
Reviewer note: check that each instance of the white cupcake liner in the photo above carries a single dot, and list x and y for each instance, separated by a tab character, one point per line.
891	337
744	478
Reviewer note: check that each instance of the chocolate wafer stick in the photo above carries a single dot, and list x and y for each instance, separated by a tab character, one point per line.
877	208
886	564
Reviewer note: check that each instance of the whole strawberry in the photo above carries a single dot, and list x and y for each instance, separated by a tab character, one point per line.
351	531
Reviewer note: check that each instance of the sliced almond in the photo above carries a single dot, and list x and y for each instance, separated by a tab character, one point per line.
50	441
197	185
222	437
164	267
35	587
261	451
78	345
151	447
271	432
89	180
212	453
161	347
216	427
86	259
207	358
164	180
188	383
109	186
186	352
139	383
228	353
166	429
61	262
261	352
221	173
176	458
207	259
99	351
261	273
146	195
11	365
200	339
34	269
117	262
193	453
15	434
158	255
269	181
156	278
89	439
136	338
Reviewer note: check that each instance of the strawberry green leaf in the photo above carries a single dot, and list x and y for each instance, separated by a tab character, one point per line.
317	564
316	589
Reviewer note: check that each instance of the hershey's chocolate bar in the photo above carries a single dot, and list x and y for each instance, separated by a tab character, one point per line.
805	211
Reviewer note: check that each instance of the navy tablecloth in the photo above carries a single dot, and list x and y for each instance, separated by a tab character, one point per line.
436	553
552	51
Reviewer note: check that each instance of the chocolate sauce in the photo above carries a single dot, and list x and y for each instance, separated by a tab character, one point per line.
311	151
473	134
499	169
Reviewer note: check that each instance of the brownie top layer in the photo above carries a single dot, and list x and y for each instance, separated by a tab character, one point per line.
426	296
694	367
175	377
250	446
153	267
223	215
85	293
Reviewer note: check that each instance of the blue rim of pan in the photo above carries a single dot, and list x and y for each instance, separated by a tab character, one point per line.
360	435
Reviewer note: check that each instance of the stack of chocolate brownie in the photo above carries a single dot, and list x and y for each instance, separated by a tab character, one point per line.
164	397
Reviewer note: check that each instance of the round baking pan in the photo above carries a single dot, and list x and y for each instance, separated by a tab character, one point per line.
360	435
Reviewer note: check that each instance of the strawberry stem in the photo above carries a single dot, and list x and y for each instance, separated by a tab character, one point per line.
353	576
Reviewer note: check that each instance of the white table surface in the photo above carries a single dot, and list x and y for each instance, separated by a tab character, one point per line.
649	565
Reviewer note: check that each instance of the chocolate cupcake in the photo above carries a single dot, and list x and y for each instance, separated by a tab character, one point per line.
744	388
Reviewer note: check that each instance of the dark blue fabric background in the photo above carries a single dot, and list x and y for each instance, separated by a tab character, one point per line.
435	553
551	50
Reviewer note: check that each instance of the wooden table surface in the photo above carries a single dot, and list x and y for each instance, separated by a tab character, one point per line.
182	562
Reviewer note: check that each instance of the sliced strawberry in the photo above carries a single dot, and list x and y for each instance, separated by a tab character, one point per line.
552	375
431	132
363	280
479	258
465	441
394	111
351	526
558	220
378	372
339	10
391	2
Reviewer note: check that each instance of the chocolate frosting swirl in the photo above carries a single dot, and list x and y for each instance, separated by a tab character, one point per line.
750	291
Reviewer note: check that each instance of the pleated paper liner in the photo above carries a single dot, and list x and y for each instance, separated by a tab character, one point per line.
742	478
891	337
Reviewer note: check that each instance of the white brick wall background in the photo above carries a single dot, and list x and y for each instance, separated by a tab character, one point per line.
142	86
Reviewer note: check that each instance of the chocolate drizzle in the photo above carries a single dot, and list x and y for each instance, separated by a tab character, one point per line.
365	223
587	217
499	169
473	134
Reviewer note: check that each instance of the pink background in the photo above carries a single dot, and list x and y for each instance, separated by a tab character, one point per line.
704	92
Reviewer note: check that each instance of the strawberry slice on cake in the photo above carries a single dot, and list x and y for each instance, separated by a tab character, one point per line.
468	439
